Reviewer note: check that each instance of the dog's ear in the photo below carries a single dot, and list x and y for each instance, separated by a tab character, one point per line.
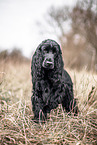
59	60
36	64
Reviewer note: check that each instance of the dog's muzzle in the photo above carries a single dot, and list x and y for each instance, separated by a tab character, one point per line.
48	61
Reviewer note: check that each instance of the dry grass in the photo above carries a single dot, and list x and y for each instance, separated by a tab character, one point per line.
16	125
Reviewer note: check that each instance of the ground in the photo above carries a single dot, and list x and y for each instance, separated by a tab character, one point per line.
16	124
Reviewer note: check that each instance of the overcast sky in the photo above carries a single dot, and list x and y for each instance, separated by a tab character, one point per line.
18	18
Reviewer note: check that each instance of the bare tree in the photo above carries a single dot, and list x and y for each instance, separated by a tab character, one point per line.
84	23
81	35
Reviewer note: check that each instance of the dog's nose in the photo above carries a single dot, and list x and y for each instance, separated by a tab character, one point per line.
49	63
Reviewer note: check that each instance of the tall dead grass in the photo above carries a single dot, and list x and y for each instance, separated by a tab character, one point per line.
17	126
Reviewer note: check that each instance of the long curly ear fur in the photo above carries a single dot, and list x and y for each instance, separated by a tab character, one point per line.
59	62
36	65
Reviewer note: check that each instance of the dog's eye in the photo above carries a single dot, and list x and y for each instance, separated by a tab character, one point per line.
46	51
54	50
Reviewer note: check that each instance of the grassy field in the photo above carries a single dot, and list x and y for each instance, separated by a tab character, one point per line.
16	124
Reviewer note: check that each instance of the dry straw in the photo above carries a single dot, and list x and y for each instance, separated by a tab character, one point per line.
17	126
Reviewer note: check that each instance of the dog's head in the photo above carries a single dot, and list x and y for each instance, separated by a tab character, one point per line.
48	56
47	59
50	51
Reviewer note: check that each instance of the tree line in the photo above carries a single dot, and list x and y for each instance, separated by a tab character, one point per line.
76	29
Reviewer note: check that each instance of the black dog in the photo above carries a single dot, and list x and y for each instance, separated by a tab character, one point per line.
52	85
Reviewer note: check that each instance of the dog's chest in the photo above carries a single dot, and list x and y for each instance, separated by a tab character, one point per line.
46	91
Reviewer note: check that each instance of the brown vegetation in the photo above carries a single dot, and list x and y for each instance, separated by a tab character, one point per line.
17	126
15	56
79	42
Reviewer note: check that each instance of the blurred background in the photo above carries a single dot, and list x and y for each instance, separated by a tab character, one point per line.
73	24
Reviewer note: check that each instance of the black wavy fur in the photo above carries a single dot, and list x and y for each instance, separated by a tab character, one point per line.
52	85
